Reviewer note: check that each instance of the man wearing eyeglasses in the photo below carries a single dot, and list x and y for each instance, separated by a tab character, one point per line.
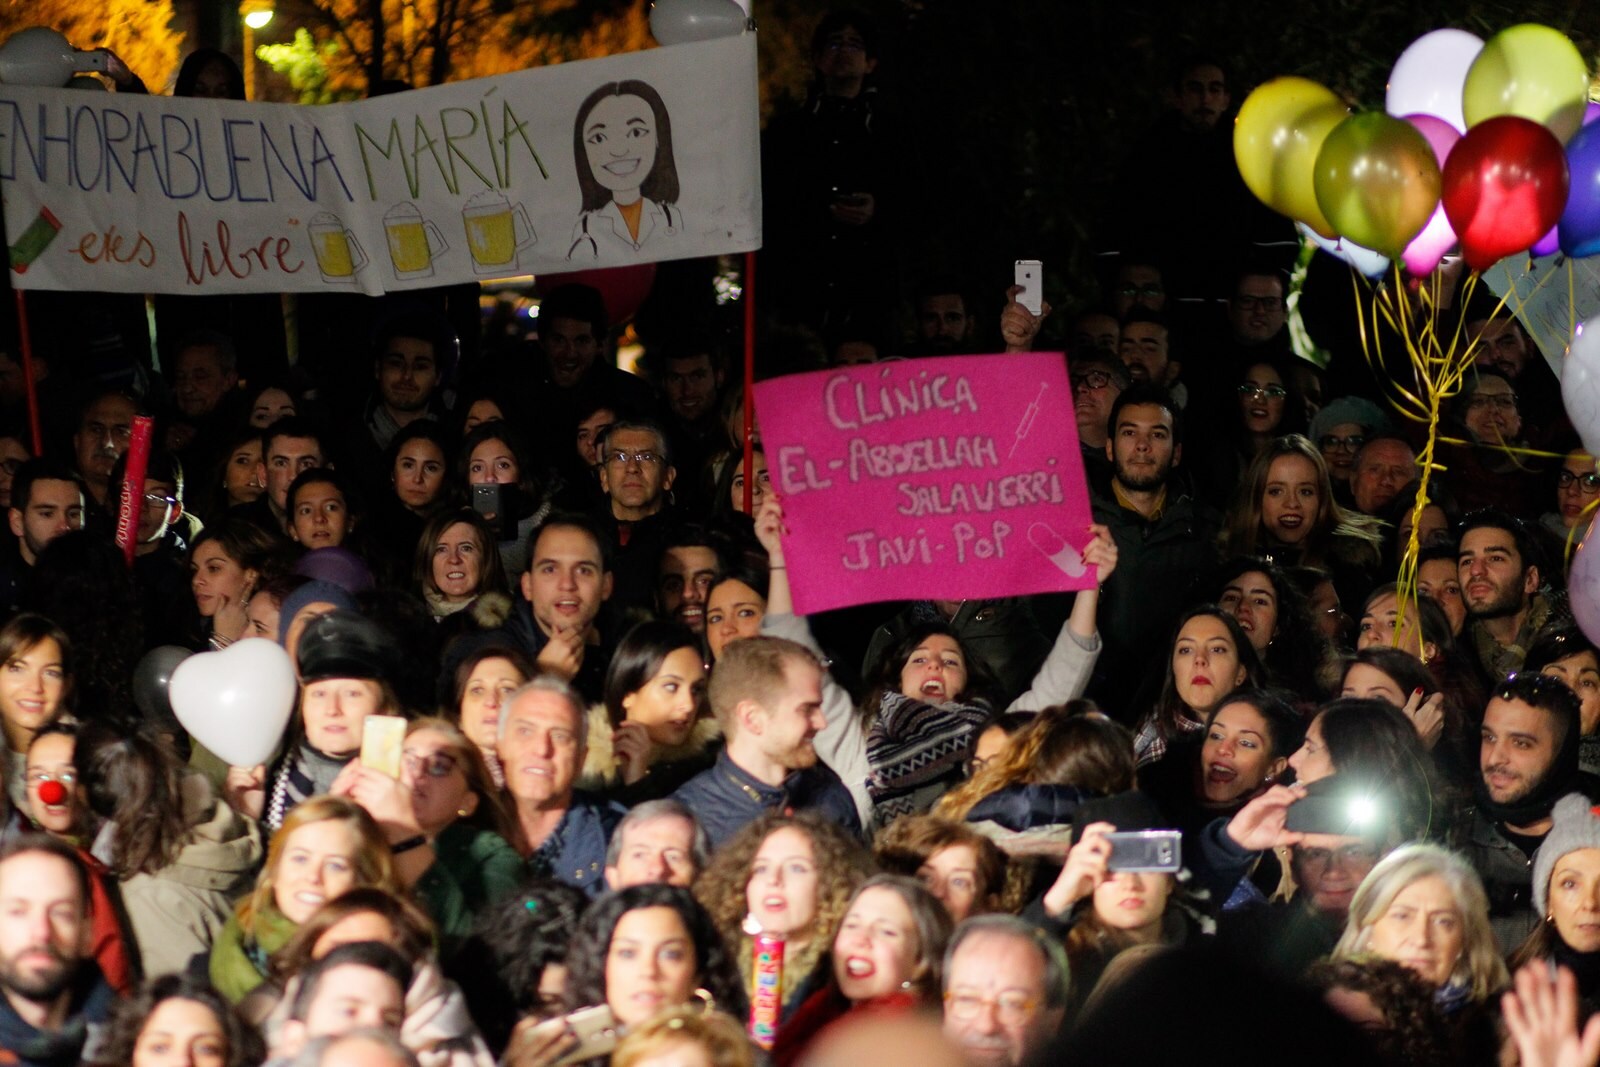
160	551
1005	990
636	473
1257	309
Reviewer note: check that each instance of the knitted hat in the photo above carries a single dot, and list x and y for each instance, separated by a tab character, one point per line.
313	592
1577	825
343	644
338	566
1349	409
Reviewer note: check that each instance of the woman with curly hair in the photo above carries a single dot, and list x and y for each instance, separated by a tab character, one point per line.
793	875
888	958
1065	755
1284	511
182	1014
960	866
912	735
1275	617
646	949
1391	1005
515	965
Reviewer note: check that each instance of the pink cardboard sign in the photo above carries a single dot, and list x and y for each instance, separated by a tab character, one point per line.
955	477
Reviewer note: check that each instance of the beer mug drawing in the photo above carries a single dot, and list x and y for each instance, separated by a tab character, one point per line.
339	254
496	231
413	241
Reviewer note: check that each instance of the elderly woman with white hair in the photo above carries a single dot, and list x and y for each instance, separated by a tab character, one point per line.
1423	907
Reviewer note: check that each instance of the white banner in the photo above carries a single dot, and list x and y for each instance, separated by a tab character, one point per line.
646	156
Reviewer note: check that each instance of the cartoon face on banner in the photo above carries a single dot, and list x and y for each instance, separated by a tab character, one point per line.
955	477
626	169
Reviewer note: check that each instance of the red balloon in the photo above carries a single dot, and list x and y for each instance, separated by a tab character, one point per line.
622	288
1505	185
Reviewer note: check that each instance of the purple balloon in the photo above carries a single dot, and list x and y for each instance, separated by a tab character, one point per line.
1422	255
1580	222
1548	244
1583	588
1591	111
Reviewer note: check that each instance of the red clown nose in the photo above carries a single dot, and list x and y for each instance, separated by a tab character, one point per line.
52	793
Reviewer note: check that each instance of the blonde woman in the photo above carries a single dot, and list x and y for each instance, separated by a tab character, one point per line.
327	846
1423	906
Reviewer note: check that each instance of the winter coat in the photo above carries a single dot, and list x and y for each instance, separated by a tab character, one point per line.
176	912
671	767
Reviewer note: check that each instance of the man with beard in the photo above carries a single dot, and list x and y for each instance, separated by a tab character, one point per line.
1528	759
411	357
1499	567
1164	537
55	1000
945	319
767	696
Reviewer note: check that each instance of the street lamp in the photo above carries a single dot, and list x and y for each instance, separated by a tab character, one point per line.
256	14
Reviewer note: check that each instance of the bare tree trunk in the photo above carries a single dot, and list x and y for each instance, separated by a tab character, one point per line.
380	41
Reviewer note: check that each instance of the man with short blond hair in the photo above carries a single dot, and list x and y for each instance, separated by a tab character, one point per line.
767	694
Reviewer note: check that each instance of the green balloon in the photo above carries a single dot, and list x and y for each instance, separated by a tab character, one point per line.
1377	181
1530	71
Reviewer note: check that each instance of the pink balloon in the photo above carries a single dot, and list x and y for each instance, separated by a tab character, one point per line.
1422	255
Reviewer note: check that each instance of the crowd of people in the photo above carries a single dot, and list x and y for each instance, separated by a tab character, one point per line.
1246	792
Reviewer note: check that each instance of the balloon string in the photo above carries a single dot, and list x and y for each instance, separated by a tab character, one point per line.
1585	517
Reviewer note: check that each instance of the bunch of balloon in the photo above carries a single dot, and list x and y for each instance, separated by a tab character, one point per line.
1467	153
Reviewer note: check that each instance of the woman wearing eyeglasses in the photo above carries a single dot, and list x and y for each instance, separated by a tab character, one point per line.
442	816
1493	469
1264	404
1577	492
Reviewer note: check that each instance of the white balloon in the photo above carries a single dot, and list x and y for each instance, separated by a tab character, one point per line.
1580	384
1428	77
236	702
1371	264
687	21
37	56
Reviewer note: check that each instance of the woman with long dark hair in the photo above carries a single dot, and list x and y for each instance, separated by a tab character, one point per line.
182	856
652	733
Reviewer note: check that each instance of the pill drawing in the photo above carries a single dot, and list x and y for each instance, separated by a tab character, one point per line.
1055	548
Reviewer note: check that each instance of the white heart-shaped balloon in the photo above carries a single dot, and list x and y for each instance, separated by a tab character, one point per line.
236	702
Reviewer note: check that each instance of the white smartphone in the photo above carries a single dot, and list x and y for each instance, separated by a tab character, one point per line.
1030	277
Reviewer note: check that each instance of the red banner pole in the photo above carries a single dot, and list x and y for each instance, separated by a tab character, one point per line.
34	430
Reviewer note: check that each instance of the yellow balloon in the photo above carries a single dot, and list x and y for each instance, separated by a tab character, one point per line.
1276	138
1530	71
